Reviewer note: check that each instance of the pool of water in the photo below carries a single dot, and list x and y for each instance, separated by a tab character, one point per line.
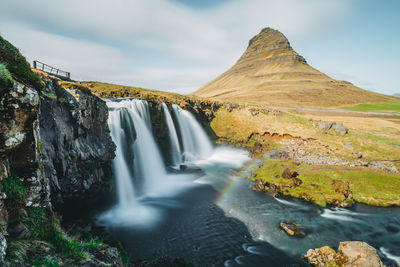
221	221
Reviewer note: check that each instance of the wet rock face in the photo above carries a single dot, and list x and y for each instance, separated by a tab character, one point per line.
350	253
75	144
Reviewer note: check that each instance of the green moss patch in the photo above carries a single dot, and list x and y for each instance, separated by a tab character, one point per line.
325	184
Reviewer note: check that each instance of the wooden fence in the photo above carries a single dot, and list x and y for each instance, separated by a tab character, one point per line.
51	70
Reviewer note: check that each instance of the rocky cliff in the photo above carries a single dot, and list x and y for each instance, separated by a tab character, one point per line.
55	152
75	144
271	72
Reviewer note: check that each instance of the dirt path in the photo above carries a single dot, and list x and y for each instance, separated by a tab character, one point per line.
340	112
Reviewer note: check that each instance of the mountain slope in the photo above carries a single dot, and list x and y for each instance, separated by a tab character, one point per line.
271	72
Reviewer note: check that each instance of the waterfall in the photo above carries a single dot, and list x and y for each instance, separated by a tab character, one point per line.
138	106
140	173
121	132
176	153
196	144
148	168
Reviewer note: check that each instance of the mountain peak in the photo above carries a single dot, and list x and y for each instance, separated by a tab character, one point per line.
270	72
271	44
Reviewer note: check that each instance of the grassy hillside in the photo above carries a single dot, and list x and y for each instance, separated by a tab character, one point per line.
115	91
17	67
270	72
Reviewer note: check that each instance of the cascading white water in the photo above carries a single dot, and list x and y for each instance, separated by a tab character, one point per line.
138	106
139	170
176	153
120	127
141	176
196	144
148	166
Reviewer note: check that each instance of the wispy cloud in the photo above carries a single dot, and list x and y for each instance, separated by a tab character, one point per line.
155	43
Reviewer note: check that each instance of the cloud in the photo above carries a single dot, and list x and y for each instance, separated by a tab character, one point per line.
155	43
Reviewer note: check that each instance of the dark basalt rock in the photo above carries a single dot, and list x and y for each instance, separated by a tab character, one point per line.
75	145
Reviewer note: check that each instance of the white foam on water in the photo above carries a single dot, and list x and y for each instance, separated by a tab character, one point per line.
390	256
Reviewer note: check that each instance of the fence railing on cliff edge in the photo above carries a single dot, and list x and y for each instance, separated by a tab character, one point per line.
51	70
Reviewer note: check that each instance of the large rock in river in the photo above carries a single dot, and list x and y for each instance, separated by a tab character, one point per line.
350	254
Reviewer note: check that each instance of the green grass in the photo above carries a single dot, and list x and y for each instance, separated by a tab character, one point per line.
381	107
6	79
45	227
17	65
16	192
369	186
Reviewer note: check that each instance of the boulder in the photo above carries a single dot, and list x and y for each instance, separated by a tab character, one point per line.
325	125
341	129
292	229
350	254
358	254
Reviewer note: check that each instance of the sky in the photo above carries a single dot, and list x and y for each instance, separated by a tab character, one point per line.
180	45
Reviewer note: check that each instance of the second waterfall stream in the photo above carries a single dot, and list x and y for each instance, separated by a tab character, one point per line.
141	176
